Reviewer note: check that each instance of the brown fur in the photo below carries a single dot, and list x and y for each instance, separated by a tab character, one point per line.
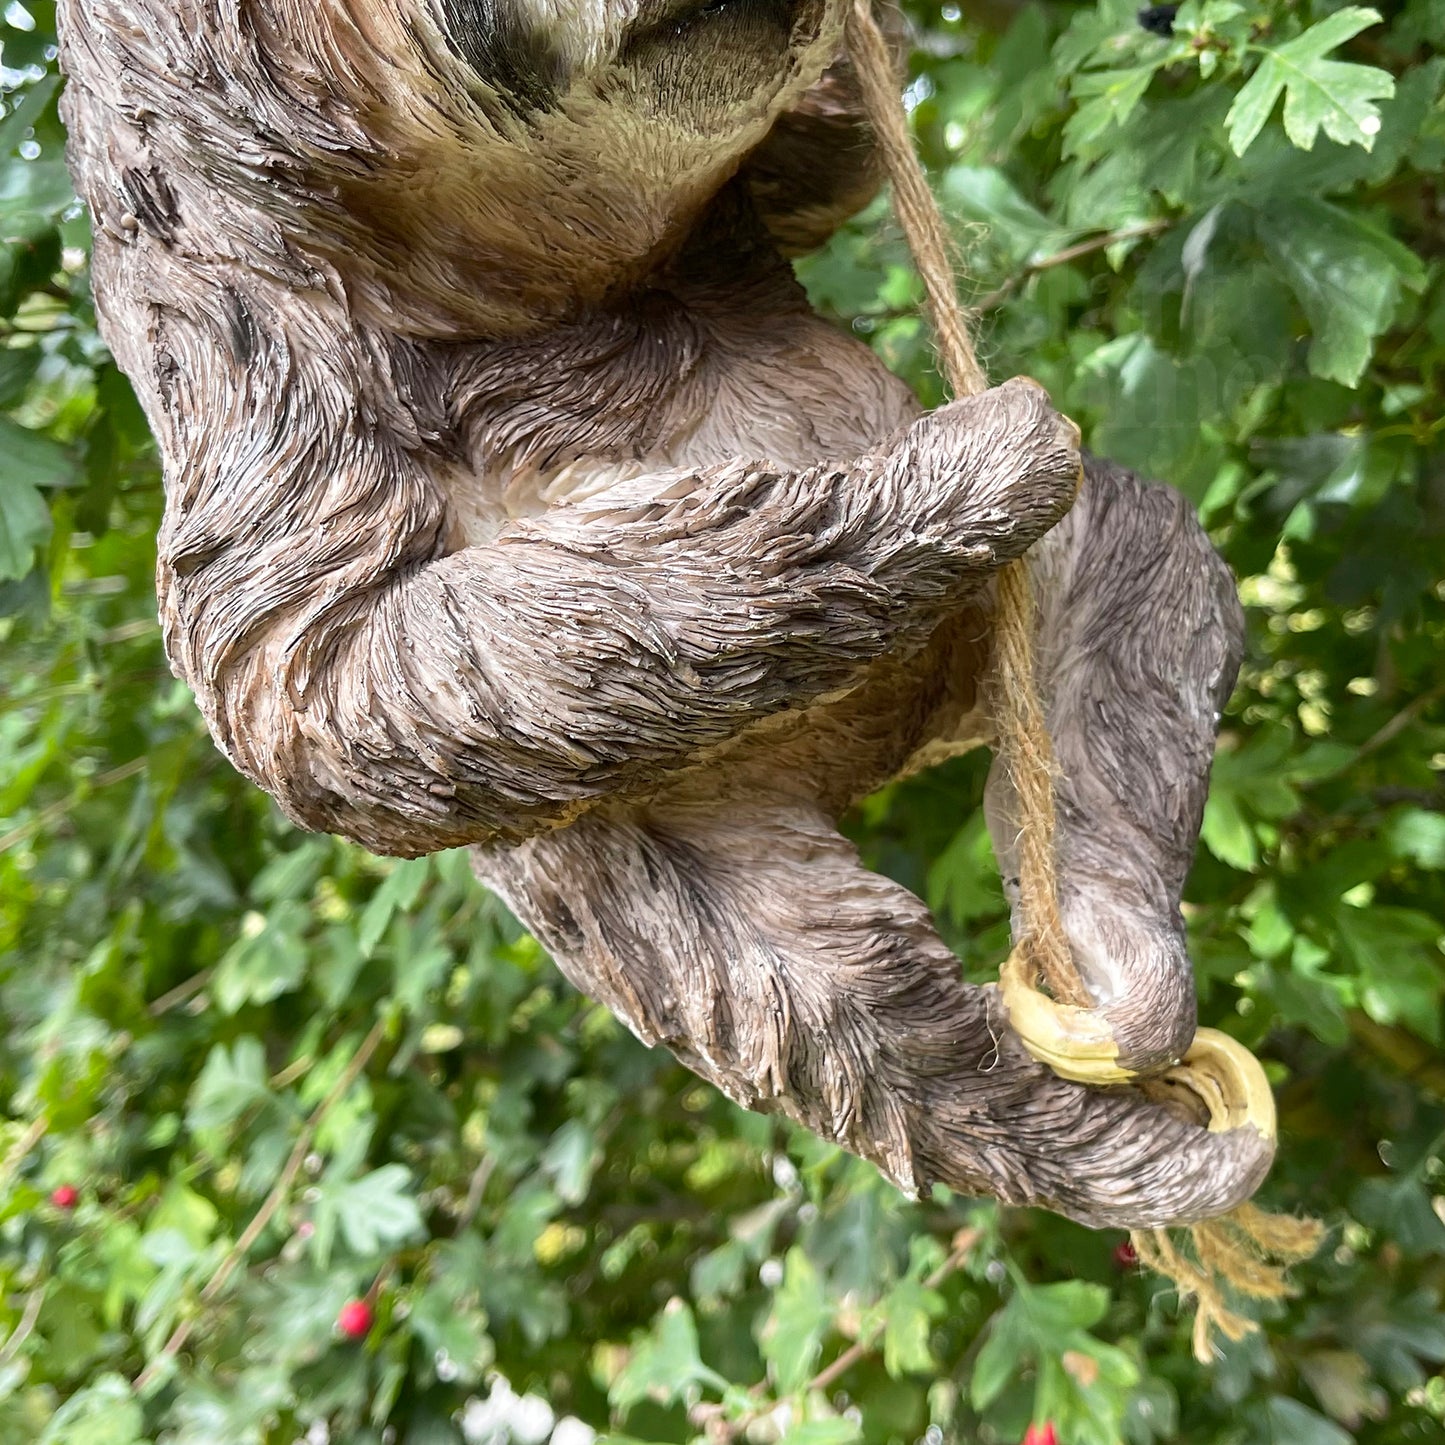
516	499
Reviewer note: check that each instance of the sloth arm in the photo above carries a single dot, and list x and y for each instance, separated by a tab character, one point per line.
413	697
1139	634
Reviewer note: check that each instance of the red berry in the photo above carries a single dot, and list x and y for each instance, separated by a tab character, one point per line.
1125	1255
355	1319
65	1196
1044	1434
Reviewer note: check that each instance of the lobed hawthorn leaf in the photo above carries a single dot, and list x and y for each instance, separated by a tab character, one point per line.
791	1337
105	1412
1109	99
909	1310
1399	1347
24	523
1335	96
232	1081
372	1212
1347	276
268	960
665	1363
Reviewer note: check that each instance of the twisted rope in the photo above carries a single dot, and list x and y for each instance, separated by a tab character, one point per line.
1023	733
1236	1250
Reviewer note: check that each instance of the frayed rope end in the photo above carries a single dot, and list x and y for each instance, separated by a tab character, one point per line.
1247	1253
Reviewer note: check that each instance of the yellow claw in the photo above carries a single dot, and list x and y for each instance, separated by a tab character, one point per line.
1076	1043
1230	1081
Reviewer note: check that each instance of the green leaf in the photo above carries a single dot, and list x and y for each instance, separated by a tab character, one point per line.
665	1363
269	959
1396	951
1417	835
17	369
1054	1311
836	1431
1004	1352
292	875
908	1312
1226	833
35	457
570	1159
398	892
103	1413
1039	1323
1287	1422
1347	276
1110	97
986	194
372	1213
23	117
964	883
1332	95
792	1335
1399	1206
24	522
232	1082
1399	1346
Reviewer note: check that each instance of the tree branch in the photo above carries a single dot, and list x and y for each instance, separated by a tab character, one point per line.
1069	253
33	1134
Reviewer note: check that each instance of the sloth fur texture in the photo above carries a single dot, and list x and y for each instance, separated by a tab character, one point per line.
516	499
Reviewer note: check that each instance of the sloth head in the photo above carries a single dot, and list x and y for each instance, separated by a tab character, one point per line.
538	155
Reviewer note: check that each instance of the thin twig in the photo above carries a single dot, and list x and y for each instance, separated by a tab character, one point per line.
60	809
1397	724
1070	253
476	1187
288	1076
28	1316
33	1134
1408	1055
180	993
1385	734
272	1203
962	1247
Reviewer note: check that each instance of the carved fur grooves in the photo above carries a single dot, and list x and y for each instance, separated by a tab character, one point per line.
515	498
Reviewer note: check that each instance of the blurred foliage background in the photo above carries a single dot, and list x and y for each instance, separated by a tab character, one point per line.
247	1075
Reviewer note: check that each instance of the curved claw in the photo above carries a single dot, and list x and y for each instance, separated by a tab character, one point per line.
1227	1079
1076	1043
1217	1072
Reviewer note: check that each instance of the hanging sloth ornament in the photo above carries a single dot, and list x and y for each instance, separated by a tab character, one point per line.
516	499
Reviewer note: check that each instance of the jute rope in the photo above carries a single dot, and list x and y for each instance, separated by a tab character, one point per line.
1237	1250
1023	734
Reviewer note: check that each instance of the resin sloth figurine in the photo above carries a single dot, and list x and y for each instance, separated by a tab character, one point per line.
516	499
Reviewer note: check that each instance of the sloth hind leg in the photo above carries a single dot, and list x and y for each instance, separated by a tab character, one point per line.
742	931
